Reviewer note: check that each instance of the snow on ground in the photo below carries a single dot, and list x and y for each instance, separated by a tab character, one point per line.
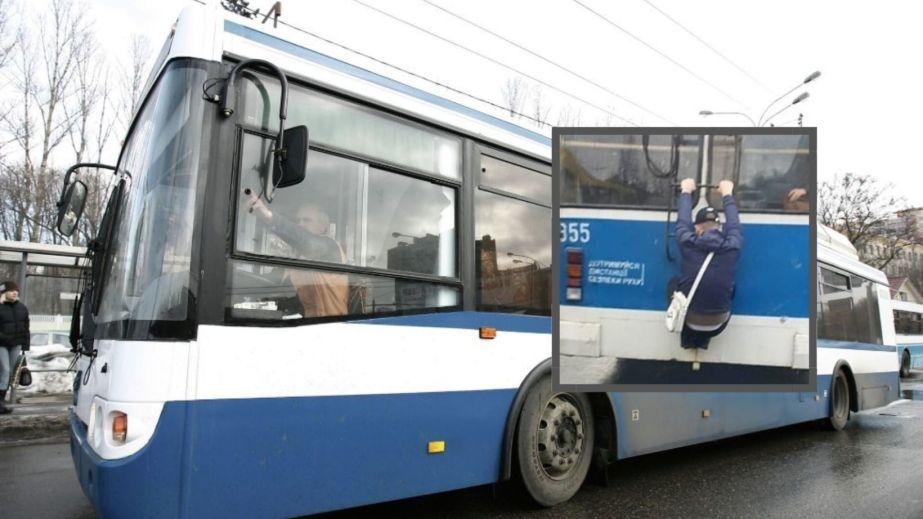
50	356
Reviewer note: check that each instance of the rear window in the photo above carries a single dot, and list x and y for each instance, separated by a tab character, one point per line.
625	170
771	173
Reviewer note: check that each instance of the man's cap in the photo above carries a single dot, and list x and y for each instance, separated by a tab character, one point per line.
706	214
8	285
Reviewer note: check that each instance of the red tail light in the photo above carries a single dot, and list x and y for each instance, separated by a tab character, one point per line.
574	286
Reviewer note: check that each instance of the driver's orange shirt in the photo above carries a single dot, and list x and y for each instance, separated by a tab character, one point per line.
321	293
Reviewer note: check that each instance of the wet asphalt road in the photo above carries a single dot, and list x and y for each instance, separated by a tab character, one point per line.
873	468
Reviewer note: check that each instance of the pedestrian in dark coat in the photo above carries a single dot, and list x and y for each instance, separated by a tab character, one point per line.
14	336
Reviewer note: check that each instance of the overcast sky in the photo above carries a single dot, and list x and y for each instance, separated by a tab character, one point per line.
866	104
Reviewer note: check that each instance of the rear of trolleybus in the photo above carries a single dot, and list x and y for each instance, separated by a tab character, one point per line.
268	335
857	362
908	324
618	250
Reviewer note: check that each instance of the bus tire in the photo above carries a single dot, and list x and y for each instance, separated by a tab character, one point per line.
554	443
905	364
839	401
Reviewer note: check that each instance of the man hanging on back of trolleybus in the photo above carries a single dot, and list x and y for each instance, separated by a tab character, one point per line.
709	310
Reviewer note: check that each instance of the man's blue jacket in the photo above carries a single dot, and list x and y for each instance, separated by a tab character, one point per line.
717	286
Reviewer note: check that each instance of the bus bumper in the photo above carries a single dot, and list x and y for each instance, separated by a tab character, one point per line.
145	484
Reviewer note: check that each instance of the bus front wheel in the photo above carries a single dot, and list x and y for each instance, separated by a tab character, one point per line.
905	364
554	443
839	401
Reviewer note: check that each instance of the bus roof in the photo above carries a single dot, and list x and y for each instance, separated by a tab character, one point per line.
907	306
833	248
210	32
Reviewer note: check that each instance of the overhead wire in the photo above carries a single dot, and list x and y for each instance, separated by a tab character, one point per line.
706	44
495	61
410	72
657	51
543	58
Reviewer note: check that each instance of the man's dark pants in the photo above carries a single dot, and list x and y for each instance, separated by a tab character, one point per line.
690	338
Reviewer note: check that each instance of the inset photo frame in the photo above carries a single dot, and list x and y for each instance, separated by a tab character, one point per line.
686	259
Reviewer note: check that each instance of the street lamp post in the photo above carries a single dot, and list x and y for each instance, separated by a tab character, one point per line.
811	77
800	98
706	113
760	122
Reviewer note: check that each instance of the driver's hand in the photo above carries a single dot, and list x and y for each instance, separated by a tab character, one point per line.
256	204
796	194
687	185
726	187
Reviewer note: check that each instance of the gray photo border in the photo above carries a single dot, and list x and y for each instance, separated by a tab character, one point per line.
556	133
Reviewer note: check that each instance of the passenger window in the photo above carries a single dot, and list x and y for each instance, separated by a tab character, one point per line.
907	323
512	254
835	305
847	308
346	212
771	173
515	179
866	312
619	170
351	127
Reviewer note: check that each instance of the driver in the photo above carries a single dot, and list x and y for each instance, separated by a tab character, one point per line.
321	293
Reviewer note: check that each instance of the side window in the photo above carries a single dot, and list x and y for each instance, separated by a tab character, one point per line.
835	307
770	172
866	312
847	308
372	228
502	175
619	170
907	323
344	125
512	243
346	212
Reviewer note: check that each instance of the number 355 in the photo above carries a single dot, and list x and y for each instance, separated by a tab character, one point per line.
574	232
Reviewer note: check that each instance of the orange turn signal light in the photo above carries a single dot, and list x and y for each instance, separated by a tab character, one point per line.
487	332
574	271
119	427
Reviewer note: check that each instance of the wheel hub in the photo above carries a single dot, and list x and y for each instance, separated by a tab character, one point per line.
560	436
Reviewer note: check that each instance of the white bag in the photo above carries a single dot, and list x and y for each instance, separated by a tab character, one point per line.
679	304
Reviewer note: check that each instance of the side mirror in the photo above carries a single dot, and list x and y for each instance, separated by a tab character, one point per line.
71	207
295	160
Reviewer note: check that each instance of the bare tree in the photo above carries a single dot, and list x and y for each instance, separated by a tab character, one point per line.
85	98
139	51
7	37
45	67
63	95
514	95
869	214
541	109
91	134
569	116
